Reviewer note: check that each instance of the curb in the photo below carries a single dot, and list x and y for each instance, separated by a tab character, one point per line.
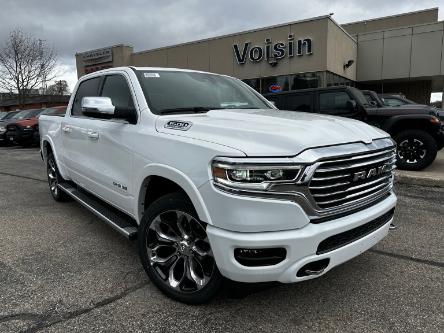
405	177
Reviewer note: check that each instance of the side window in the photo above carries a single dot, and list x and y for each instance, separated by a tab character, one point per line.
302	102
116	88
88	88
393	102
334	103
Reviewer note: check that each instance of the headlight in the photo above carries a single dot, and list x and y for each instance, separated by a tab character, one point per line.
255	176
2	129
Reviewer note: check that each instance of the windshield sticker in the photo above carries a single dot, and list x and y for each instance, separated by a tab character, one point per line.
233	104
151	75
178	125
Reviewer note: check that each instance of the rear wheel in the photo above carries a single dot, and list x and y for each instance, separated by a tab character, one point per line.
175	251
54	179
416	149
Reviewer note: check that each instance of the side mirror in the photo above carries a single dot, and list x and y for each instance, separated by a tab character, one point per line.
373	103
98	106
102	107
351	105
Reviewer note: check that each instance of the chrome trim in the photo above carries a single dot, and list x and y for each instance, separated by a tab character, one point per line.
299	192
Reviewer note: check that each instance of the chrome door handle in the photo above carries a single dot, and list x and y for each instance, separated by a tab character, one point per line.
93	135
67	129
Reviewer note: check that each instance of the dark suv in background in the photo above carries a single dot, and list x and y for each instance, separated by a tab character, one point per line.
419	132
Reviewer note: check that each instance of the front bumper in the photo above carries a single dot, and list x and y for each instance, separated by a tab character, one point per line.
21	136
301	245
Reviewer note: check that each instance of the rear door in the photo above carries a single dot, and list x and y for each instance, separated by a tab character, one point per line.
77	161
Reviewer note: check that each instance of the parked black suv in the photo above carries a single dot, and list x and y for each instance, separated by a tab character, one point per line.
419	133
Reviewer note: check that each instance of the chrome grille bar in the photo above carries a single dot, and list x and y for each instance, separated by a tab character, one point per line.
342	182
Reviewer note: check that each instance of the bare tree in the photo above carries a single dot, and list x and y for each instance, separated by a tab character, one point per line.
25	64
59	87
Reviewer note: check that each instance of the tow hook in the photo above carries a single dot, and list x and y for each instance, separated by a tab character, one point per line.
393	226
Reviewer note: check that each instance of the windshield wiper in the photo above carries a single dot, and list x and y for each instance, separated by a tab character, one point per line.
192	109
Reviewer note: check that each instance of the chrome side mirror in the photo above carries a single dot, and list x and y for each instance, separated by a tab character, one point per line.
98	105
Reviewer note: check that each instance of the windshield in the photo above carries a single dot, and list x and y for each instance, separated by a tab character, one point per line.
176	91
27	114
9	115
359	96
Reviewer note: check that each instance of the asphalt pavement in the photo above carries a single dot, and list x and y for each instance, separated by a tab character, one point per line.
63	270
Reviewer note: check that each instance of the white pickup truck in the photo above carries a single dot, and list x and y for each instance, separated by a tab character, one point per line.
215	182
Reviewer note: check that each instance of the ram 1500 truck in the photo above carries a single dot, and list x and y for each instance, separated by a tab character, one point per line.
215	182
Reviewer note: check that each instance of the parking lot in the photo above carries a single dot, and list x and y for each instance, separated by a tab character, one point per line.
61	269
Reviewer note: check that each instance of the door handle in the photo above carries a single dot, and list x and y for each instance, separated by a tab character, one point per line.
67	129
93	135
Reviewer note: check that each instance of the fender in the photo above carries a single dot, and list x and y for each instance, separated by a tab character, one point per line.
391	122
50	142
173	175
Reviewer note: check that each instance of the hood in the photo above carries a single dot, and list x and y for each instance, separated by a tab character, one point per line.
268	132
27	122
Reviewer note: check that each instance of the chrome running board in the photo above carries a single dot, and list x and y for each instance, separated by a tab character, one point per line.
119	221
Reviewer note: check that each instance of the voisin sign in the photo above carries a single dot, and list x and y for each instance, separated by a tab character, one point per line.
272	52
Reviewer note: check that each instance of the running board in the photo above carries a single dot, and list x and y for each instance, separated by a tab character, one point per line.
119	221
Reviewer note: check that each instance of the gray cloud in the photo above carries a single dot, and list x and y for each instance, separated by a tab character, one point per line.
74	26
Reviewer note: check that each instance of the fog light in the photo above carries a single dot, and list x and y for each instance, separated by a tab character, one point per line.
260	257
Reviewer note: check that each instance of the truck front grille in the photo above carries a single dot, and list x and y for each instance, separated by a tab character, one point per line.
351	180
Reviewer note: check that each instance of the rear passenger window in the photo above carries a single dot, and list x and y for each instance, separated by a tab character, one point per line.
299	103
116	88
88	88
334	102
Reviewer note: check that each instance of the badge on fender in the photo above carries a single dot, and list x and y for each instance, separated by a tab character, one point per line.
178	125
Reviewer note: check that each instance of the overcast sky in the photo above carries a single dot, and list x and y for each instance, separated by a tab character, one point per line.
78	25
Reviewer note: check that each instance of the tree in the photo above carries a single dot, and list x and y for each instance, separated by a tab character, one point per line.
26	63
58	88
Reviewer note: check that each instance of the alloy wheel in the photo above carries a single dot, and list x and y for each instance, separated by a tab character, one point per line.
179	251
411	150
52	177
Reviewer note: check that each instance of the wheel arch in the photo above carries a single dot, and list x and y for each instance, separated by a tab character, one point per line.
397	124
156	174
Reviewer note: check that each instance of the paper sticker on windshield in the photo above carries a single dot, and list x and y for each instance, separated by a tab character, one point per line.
151	75
178	125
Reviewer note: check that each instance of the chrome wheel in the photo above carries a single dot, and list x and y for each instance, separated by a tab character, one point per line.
179	251
52	177
411	150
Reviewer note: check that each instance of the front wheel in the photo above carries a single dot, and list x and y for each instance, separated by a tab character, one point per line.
416	150
175	251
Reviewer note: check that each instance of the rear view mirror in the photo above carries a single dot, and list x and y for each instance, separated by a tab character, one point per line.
98	106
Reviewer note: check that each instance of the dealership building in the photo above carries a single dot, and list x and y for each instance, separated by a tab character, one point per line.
400	53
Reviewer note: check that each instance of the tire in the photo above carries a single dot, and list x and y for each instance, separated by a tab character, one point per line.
416	150
54	178
175	251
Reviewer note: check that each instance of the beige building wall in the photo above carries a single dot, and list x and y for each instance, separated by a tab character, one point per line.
394	21
403	53
341	48
217	55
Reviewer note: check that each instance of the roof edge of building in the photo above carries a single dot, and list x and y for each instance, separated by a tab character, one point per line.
392	16
241	32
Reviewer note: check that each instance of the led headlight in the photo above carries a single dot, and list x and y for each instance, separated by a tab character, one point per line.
257	176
